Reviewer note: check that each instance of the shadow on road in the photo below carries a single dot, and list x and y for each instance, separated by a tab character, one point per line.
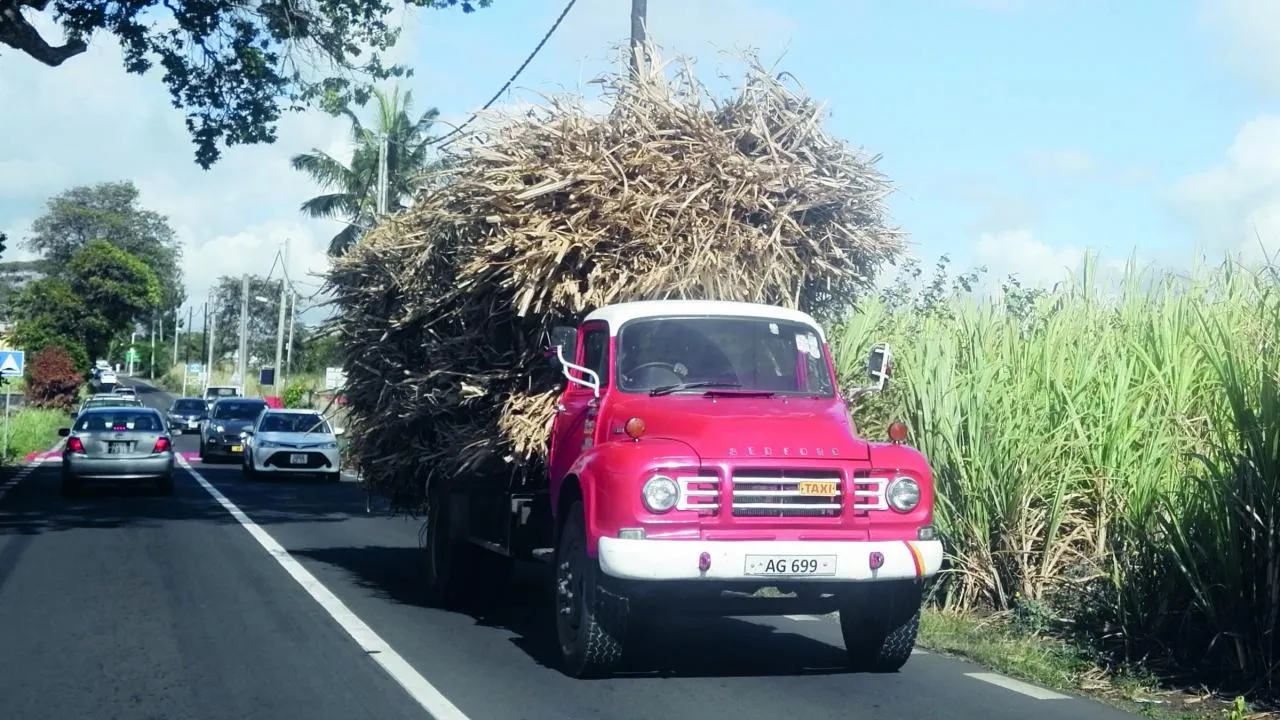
659	645
36	505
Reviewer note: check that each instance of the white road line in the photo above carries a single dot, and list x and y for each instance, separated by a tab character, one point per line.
1018	686
802	617
422	691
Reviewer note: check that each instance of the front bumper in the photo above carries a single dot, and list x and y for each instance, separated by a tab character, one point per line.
756	561
141	468
282	460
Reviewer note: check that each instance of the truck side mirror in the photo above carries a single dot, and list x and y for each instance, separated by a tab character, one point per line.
566	337
880	366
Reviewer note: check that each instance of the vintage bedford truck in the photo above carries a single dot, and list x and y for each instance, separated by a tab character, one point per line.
701	452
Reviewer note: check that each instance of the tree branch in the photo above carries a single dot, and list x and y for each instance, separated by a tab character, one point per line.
19	34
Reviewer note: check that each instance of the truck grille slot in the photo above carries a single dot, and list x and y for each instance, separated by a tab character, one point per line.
701	493
868	493
786	493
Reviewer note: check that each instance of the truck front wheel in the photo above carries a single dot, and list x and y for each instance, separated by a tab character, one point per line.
880	626
591	621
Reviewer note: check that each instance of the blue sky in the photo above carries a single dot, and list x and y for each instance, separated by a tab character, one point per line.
1019	133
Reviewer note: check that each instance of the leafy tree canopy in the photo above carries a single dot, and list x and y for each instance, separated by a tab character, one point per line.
50	314
111	212
233	66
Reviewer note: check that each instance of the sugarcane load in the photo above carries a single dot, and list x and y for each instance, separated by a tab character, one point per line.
598	340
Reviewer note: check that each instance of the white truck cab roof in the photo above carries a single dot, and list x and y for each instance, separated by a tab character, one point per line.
617	315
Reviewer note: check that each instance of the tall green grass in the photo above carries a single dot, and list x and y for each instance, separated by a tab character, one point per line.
1110	454
33	430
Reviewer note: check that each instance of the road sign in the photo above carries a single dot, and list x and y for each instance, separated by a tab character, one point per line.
131	355
267	376
12	363
195	368
334	378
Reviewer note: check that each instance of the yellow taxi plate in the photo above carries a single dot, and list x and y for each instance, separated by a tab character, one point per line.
823	488
235	448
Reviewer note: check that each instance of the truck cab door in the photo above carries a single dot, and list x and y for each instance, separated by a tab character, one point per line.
573	430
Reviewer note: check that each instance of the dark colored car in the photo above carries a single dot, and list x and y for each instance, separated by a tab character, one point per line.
117	443
186	413
228	418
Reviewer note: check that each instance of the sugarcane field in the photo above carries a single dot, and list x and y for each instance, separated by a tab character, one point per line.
769	359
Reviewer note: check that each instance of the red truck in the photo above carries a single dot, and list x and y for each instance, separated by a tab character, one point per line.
700	453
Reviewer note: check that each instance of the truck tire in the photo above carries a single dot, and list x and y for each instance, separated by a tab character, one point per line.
591	621
446	556
880	628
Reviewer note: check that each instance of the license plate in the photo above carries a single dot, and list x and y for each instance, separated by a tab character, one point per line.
298	459
193	423
820	488
790	565
117	448
236	448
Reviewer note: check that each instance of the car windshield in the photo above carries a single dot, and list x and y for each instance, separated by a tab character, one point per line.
118	421
220	392
293	423
238	410
735	353
189	406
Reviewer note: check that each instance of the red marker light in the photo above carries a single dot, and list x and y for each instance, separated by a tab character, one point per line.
162	445
897	431
704	562
635	428
75	446
876	561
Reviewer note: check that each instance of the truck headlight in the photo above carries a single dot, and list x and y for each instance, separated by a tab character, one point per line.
660	493
903	494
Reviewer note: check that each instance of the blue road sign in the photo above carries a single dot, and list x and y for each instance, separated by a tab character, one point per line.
12	363
195	368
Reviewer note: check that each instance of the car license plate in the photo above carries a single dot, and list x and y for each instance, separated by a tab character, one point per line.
819	488
298	459
193	423
790	565
117	448
236	448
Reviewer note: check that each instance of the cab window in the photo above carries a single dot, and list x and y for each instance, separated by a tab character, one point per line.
595	353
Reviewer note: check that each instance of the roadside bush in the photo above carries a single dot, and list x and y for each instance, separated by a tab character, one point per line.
1109	455
53	380
33	431
295	394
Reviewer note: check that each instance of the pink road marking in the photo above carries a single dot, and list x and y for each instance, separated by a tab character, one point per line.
190	455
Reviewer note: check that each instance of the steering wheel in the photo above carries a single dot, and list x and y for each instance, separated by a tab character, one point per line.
667	367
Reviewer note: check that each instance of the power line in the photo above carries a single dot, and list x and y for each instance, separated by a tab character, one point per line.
505	87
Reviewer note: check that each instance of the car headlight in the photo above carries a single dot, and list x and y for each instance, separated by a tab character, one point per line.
329	446
220	428
660	494
903	494
266	445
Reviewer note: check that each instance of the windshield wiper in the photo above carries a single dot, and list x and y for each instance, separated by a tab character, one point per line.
668	389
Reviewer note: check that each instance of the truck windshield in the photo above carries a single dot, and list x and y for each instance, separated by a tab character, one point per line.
735	353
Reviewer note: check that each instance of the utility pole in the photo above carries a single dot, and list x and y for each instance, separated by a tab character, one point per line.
639	20
186	354
284	299
243	364
382	177
293	320
209	338
153	347
177	332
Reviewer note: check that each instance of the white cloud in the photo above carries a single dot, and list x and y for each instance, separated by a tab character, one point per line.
1235	204
1018	253
1244	33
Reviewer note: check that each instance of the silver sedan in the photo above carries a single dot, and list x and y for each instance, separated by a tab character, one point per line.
128	444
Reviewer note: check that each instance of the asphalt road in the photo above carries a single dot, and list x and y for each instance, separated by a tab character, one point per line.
285	600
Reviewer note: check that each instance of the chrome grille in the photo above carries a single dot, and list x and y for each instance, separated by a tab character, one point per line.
776	492
868	493
701	493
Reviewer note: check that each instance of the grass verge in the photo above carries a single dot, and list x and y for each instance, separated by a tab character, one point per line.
994	641
33	430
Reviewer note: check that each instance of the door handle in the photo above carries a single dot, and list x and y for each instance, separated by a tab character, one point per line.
560	408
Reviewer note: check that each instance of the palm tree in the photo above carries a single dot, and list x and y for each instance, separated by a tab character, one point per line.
354	184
